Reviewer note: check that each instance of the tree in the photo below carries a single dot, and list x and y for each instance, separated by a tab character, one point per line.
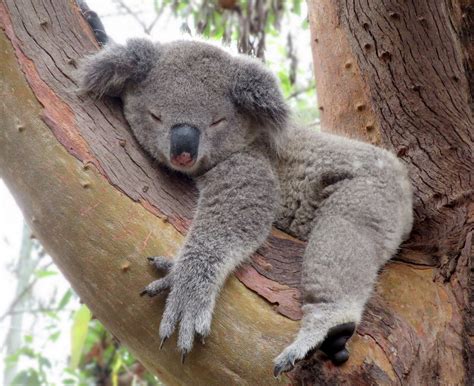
100	206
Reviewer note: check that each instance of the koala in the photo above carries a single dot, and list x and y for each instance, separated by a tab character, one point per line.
222	120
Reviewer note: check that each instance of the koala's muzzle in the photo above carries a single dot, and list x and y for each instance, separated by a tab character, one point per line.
184	145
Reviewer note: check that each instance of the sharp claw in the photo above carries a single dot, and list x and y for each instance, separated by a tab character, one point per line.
277	371
144	292
150	259
284	367
163	340
202	338
183	357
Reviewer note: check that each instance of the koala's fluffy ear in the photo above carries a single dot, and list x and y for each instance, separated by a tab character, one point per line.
107	71
255	92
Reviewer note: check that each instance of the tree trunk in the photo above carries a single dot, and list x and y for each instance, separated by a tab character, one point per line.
402	71
99	205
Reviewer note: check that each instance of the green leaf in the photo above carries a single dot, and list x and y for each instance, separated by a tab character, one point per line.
284	82
44	362
182	5
297	7
65	299
54	336
10	360
28	352
41	273
52	314
80	326
28	377
115	370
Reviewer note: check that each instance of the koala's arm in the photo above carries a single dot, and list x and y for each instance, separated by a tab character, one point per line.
237	204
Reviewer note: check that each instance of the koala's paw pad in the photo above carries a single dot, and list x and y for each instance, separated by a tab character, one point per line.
334	345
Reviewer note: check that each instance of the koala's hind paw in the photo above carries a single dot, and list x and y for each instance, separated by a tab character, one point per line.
333	345
161	263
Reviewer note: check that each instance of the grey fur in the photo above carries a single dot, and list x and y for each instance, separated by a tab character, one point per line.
350	200
113	67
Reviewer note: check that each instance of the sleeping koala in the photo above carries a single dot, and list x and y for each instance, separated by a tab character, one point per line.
221	119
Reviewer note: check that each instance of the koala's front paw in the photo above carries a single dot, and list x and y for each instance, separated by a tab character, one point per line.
333	345
190	302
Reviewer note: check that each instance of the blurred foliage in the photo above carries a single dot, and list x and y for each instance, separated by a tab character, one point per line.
95	357
79	330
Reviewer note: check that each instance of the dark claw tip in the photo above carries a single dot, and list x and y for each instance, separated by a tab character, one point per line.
282	368
183	357
162	342
340	357
276	371
144	292
202	338
151	259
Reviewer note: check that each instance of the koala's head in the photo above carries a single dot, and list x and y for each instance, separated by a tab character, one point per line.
189	104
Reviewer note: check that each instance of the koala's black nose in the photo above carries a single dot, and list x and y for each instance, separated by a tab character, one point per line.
184	145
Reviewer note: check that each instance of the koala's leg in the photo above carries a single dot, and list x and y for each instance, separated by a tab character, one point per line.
356	231
238	199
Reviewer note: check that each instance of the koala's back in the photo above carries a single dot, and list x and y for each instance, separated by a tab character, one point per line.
314	166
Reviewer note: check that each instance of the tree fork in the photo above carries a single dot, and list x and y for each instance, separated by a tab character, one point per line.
100	206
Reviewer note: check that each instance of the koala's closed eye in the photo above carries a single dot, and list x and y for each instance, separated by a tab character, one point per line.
156	117
218	122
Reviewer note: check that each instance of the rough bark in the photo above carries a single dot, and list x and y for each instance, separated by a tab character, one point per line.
462	12
100	206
